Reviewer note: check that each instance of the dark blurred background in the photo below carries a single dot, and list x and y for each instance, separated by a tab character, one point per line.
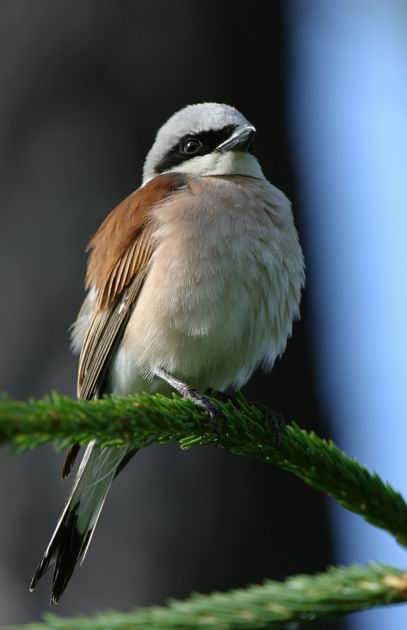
84	88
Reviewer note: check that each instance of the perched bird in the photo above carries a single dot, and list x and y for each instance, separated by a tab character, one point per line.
193	282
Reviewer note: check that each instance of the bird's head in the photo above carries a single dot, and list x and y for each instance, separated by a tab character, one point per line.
202	140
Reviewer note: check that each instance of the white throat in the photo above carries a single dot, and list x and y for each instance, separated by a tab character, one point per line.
218	163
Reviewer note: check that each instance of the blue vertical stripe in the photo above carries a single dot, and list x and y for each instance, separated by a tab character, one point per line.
349	134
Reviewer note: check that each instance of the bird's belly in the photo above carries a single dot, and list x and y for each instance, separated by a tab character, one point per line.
209	325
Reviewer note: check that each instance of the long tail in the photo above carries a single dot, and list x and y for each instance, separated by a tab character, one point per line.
73	533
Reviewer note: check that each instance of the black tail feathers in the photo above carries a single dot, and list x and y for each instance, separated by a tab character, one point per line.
67	548
74	530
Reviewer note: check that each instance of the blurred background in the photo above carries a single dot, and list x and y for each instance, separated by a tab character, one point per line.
84	87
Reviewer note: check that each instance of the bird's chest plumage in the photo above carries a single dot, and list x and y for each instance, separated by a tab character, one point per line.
219	296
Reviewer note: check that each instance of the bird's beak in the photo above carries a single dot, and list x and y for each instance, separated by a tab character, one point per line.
240	140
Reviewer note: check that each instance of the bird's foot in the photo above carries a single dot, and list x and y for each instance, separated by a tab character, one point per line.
213	414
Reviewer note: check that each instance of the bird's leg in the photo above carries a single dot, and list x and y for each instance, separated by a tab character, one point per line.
188	392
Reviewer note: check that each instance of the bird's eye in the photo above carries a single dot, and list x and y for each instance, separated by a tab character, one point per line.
190	146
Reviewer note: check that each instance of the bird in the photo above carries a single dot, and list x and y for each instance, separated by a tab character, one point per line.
193	282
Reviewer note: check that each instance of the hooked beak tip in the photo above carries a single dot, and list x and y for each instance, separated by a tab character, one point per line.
240	140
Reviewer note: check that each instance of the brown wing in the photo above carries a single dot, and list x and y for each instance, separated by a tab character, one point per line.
105	331
120	252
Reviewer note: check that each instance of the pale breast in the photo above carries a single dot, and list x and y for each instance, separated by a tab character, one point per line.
222	291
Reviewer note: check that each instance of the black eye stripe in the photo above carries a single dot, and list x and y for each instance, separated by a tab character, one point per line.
209	141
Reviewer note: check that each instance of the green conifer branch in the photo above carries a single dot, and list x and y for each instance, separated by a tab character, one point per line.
288	604
246	430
